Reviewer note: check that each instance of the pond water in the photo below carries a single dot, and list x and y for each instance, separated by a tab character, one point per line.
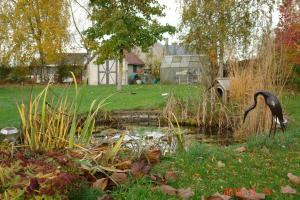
160	137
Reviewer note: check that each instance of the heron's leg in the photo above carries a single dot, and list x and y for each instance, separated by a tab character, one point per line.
282	128
270	132
275	128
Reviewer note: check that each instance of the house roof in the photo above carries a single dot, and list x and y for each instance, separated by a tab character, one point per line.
73	58
133	59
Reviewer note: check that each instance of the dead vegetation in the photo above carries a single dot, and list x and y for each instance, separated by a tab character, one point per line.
267	72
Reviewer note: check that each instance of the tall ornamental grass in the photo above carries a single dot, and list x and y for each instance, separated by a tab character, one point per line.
54	123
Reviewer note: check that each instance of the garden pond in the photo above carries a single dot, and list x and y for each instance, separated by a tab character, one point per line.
164	138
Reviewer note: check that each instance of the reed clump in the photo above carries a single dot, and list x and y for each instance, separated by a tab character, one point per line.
51	123
199	111
266	71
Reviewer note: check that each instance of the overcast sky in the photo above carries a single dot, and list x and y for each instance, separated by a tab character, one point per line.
172	17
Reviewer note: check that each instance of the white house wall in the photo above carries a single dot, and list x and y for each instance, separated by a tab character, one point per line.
92	74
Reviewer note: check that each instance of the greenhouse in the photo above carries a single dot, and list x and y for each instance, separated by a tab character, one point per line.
183	69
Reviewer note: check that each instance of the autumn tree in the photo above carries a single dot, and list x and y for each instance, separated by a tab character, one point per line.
120	25
288	32
215	26
33	31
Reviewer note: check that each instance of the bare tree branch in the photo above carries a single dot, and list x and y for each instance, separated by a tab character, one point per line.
76	26
86	10
85	45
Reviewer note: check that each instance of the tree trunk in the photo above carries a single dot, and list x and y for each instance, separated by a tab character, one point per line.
41	65
120	73
221	39
221	60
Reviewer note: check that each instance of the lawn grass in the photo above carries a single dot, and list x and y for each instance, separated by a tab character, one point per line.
131	97
265	164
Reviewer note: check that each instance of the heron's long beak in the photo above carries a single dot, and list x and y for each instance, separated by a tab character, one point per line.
247	111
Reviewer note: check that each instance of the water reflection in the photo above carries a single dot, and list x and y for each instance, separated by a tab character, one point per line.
164	138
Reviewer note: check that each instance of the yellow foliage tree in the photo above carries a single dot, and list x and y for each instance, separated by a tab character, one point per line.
33	31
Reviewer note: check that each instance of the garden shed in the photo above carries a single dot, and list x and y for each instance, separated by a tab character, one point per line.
107	73
183	69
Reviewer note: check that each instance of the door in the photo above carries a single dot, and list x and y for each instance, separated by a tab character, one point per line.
107	73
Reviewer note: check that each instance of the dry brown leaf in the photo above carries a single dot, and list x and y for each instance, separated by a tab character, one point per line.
140	169
75	154
120	178
101	184
185	193
294	179
158	179
170	176
105	197
241	149
168	190
267	191
288	190
249	194
217	196
124	165
88	176
153	156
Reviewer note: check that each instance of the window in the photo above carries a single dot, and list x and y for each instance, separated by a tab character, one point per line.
134	68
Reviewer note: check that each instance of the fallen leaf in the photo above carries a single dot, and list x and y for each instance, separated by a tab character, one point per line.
105	197
123	165
185	193
75	154
220	164
158	179
229	191
241	149
250	194
62	160
33	186
101	184
267	191
88	176
153	156
168	190
217	196
288	190
294	179
140	169
170	176
120	178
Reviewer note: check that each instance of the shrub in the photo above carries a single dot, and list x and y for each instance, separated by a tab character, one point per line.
64	72
4	72
18	74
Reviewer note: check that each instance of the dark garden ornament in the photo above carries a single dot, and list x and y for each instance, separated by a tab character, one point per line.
275	108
